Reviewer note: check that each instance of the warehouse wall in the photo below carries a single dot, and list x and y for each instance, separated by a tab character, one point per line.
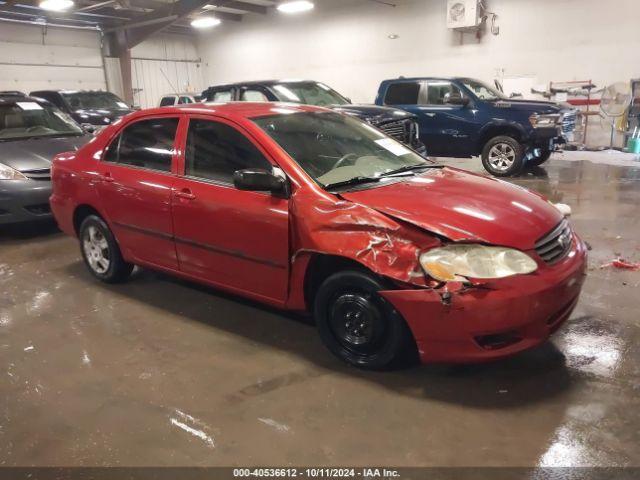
160	65
32	57
345	43
164	64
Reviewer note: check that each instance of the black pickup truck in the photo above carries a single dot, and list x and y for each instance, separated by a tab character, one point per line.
394	122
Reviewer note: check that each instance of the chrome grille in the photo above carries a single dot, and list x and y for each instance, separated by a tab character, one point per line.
569	121
39	174
403	130
556	244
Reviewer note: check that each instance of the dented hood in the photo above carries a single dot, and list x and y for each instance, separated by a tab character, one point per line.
464	206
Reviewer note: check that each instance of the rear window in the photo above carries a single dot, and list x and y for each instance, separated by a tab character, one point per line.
166	101
403	93
145	144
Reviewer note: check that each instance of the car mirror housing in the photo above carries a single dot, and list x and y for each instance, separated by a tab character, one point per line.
456	99
259	180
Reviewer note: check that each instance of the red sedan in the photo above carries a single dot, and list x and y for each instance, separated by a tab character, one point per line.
310	210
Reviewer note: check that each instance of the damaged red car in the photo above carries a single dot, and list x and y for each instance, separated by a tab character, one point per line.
309	210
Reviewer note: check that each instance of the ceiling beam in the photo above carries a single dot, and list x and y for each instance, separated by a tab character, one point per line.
128	35
239	5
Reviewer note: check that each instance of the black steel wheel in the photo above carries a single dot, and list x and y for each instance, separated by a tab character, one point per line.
357	324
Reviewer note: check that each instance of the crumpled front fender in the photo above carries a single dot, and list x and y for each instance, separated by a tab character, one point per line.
342	228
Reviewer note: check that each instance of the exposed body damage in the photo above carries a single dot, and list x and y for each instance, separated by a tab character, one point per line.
346	229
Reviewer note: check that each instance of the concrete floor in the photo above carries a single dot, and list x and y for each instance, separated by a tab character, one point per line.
162	372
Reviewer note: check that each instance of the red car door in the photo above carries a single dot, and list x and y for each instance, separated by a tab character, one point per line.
233	238
136	177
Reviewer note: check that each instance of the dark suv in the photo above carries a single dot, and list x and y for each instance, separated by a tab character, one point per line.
463	117
91	107
393	121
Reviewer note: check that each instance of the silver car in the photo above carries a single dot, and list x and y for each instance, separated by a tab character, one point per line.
32	132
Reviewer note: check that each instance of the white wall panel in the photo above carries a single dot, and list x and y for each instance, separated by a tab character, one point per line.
346	44
165	64
33	58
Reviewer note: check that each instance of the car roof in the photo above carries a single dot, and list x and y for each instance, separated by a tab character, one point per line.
13	99
414	79
232	109
54	90
261	83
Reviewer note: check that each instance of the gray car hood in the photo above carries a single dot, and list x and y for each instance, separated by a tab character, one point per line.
37	153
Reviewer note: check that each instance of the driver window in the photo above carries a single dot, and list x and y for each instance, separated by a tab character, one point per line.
215	151
437	92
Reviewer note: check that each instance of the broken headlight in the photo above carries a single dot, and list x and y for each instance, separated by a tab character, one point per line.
457	262
544	121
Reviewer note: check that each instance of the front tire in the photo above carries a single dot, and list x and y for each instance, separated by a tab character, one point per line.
535	162
101	252
357	324
503	156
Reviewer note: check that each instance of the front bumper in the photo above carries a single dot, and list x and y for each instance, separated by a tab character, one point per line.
24	201
499	319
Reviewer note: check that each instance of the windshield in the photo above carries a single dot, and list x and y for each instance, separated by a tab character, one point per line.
482	91
32	119
334	148
94	101
310	93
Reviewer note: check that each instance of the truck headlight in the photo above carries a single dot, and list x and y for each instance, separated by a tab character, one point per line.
456	262
544	121
8	173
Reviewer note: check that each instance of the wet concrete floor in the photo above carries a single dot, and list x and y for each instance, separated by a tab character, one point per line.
161	372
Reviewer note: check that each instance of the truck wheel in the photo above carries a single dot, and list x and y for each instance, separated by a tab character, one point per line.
534	162
503	156
358	325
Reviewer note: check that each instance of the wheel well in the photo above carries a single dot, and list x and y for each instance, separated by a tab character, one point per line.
322	266
82	212
497	131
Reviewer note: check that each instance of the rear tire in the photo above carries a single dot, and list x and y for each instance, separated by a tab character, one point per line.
503	156
357	324
534	162
101	252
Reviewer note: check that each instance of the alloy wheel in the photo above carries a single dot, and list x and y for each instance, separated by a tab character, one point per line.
96	250
501	156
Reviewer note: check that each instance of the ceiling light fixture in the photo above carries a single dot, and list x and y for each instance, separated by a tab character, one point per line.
56	5
295	6
205	22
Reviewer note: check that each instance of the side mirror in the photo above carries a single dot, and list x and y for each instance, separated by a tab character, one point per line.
258	180
456	99
88	128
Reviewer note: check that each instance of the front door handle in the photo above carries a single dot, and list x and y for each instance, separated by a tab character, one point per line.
185	193
106	177
430	114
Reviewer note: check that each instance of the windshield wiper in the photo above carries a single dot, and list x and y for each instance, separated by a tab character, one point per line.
408	168
352	181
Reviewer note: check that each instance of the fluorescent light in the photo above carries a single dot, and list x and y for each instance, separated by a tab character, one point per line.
295	6
56	5
205	22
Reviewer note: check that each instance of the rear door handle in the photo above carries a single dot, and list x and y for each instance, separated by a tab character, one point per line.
106	177
430	114
185	193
